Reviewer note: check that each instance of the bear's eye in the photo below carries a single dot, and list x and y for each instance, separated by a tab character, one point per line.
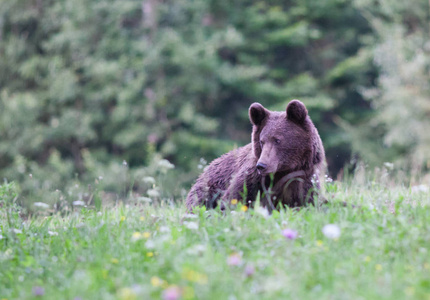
277	141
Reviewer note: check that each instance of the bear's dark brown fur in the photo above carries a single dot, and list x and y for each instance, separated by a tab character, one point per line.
283	163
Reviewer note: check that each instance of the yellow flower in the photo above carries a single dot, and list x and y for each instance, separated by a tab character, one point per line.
367	259
244	208
142	218
136	236
146	235
234	201
156	281
127	294
426	266
194	276
122	218
114	260
150	254
319	243
378	267
410	291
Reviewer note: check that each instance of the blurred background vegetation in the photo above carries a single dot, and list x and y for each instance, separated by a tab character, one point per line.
109	95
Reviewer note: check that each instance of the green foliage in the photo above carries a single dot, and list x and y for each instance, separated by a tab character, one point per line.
398	130
141	251
86	85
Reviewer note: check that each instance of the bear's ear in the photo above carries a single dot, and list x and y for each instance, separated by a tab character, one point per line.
296	111
257	113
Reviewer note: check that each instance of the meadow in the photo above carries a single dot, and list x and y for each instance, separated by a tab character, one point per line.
378	249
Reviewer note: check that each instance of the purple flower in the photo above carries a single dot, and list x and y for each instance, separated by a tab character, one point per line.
290	234
38	291
172	293
234	259
249	270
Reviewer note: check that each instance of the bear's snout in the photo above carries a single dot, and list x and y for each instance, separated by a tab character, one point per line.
261	167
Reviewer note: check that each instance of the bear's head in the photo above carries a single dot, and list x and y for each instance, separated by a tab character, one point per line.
282	141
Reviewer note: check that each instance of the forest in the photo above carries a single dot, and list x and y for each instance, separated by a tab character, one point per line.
107	95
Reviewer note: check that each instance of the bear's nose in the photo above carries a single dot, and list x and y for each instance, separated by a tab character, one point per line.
261	166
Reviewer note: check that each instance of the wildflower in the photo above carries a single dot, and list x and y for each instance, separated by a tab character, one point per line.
164	229
171	293
153	193
114	260
331	231
1	237
150	254
244	208
165	164
378	267
289	234
367	259
144	199
194	276
52	233
38	291
149	180
17	231
234	259
263	212
190	216
122	219
41	205
319	243
136	236
142	218
420	188
150	244
234	201
124	163
146	235
191	225
410	291
157	281
126	294
249	270
78	203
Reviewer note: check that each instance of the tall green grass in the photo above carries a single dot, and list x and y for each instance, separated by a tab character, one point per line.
144	250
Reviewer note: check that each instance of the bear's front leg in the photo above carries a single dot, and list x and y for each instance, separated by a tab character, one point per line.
244	186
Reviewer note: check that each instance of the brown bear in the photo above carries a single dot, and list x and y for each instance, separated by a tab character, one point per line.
283	162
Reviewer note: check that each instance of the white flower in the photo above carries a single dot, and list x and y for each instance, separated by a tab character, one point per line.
153	193
420	188
149	179
52	233
191	225
41	205
196	249
164	229
331	231
262	211
1	236
124	163
144	199
190	216
150	244
78	203
17	231
165	164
